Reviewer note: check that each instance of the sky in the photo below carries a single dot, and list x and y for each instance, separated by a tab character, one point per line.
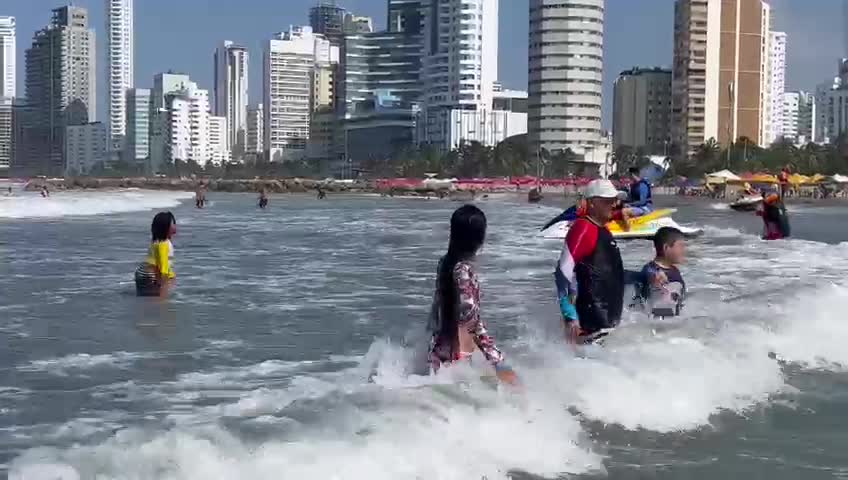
181	35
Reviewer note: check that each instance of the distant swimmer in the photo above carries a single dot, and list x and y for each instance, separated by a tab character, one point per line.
775	218
455	323
660	286
200	197
590	273
9	193
263	199
154	274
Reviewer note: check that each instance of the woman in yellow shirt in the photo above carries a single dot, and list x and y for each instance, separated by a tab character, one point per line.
156	271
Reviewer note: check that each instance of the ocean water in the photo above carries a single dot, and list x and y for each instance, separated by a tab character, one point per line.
288	348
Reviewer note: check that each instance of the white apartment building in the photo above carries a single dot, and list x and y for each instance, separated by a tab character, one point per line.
831	107
799	115
120	58
459	68
85	147
290	61
255	130
6	132
565	75
219	149
8	57
777	46
187	125
231	82
7	87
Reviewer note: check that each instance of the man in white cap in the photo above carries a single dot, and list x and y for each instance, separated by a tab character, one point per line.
590	273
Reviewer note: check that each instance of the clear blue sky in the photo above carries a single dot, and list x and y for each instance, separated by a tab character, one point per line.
181	35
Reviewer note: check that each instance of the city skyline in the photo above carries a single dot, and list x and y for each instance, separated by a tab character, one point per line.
169	42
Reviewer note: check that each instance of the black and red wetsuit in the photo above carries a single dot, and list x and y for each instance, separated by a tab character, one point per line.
590	277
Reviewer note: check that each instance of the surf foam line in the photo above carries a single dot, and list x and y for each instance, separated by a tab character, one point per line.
66	204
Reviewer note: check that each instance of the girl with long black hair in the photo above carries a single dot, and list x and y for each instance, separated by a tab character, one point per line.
153	275
455	323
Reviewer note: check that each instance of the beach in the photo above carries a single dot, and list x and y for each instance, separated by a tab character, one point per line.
288	347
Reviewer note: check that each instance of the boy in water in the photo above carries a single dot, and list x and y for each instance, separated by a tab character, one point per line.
661	287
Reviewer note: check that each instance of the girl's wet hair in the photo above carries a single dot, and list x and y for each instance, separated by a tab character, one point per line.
161	226
467	234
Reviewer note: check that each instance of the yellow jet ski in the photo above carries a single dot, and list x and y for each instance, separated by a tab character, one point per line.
644	227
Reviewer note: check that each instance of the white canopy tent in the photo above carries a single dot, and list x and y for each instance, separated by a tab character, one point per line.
722	176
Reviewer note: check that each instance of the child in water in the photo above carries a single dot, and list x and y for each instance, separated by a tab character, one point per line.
455	324
153	275
661	287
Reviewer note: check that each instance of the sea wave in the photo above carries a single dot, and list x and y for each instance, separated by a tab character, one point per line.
67	204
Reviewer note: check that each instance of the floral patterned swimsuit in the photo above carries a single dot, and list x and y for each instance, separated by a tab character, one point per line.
468	311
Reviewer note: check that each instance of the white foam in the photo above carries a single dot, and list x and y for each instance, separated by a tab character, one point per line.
80	362
64	204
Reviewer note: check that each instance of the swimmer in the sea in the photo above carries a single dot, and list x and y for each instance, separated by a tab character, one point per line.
153	276
456	326
660	286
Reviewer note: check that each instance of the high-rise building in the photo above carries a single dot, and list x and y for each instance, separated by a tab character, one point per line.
255	130
85	147
565	76
137	144
721	75
383	61
354	24
120	46
831	107
459	67
163	84
231	80
187	125
7	112
290	61
328	19
799	117
642	110
219	150
777	48
8	86
60	89
405	16
8	55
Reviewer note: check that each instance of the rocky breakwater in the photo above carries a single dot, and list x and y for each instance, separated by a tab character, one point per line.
285	185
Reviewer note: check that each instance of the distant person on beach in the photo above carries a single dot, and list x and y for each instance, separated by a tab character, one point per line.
154	274
455	323
775	218
321	194
200	197
263	199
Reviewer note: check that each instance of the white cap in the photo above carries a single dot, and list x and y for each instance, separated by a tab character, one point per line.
602	189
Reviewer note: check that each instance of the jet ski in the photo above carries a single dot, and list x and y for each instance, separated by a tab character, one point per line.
644	227
748	203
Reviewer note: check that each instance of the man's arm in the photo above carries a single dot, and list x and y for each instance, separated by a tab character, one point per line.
580	242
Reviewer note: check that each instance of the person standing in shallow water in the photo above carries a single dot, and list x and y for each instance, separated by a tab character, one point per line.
455	324
153	276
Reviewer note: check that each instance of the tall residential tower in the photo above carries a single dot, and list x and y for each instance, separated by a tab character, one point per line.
721	77
231	80
459	70
8	54
120	55
60	89
565	76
